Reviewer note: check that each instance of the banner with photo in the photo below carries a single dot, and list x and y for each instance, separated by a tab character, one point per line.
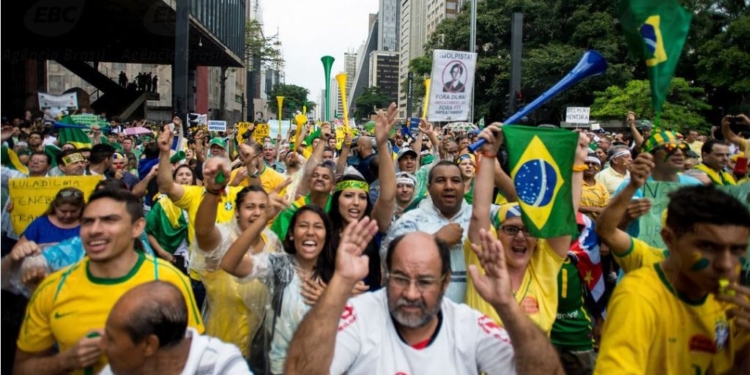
452	85
54	105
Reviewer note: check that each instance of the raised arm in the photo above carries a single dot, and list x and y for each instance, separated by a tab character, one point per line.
312	348
141	187
382	213
561	244
237	262
207	235
729	135
164	176
483	184
607	223
636	134
345	147
533	352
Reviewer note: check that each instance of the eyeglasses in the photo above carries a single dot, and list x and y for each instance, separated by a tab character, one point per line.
513	230
423	284
70	193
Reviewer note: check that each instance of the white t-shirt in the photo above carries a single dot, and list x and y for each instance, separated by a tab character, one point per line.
467	342
209	356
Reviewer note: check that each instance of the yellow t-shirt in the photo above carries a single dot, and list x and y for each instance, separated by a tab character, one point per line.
537	293
191	200
594	196
70	302
639	254
269	179
651	329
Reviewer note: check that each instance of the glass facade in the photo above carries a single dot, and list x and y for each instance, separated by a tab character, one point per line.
223	18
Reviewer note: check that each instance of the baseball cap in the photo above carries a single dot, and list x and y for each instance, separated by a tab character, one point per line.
218	142
403	151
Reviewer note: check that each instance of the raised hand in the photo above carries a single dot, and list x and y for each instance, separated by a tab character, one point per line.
493	137
494	285
211	170
165	140
385	122
425	127
312	289
276	203
739	296
351	265
641	168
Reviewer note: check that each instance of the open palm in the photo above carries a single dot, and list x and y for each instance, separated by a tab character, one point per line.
350	264
494	285
384	123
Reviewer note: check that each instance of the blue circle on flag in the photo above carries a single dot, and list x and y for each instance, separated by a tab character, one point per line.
649	37
535	182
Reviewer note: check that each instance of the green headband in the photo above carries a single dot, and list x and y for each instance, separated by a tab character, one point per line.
353	184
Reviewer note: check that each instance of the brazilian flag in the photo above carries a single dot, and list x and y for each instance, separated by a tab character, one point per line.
541	166
656	32
70	132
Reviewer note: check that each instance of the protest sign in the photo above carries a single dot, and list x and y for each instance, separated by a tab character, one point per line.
451	87
32	196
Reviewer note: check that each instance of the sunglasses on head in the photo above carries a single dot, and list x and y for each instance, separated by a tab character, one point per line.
70	193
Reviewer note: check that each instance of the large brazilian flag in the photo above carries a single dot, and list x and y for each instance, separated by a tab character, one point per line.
656	31
541	166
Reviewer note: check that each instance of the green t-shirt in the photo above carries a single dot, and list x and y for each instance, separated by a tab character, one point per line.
572	329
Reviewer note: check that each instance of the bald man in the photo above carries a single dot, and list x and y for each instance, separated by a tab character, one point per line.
147	333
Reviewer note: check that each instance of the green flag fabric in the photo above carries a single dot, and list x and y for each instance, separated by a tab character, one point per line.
167	224
541	165
73	136
656	32
10	159
281	224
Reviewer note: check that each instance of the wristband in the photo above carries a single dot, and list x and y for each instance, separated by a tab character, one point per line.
214	192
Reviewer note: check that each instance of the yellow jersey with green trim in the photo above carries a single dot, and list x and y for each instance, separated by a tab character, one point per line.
653	329
70	302
639	254
537	294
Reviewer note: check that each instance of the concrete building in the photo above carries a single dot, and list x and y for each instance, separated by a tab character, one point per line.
320	109
337	107
437	10
388	25
384	72
362	79
412	39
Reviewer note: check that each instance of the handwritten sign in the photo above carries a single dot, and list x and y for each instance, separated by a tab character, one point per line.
261	131
217	126
577	115
649	225
32	196
451	85
241	129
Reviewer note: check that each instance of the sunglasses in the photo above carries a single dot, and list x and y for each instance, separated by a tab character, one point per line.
70	193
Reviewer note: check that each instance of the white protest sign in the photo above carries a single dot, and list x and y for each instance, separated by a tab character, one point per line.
217	126
577	115
451	85
53	105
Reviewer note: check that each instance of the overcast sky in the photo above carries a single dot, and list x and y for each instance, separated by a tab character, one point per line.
310	30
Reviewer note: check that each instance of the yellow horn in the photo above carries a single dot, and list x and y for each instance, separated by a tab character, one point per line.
426	102
280	101
341	79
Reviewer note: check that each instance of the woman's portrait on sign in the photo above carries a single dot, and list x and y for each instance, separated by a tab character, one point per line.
454	77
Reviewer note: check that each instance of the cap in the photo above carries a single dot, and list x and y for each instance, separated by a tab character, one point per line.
405	150
218	142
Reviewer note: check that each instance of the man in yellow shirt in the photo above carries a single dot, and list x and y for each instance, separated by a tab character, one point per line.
670	317
65	316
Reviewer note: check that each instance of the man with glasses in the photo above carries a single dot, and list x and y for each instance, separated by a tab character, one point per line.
409	328
715	159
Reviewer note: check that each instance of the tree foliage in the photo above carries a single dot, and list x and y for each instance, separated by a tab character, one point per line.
372	98
294	98
556	33
261	51
681	110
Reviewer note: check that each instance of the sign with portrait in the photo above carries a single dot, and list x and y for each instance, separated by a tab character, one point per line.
452	84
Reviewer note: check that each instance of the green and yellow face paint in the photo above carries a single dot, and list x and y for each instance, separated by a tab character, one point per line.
699	263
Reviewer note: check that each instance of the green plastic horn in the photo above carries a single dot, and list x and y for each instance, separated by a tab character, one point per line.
327	65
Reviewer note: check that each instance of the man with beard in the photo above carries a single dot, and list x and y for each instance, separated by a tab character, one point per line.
409	328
